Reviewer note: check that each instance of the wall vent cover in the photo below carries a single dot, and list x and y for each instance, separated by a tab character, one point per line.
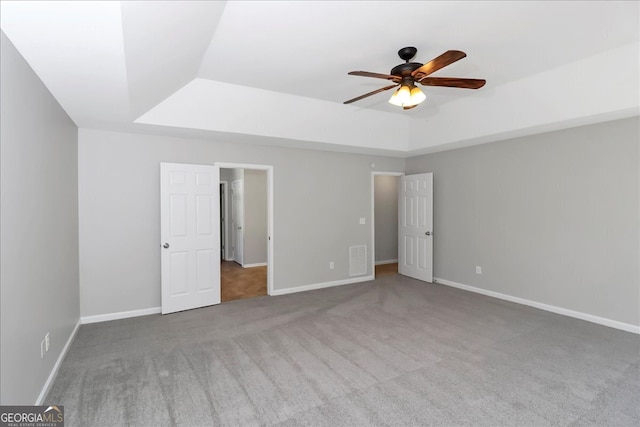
357	260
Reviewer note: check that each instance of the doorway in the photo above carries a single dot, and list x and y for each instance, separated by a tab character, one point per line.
384	224
247	269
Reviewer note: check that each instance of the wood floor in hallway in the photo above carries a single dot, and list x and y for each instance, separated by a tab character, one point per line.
237	282
386	269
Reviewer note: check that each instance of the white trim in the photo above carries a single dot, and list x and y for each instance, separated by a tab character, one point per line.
227	165
257	264
56	367
387	261
225	255
546	307
270	253
120	315
373	213
322	285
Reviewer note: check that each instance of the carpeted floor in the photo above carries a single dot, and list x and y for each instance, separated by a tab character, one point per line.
391	352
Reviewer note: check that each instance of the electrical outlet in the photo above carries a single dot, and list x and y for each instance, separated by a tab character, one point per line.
46	342
331	265
478	269
42	349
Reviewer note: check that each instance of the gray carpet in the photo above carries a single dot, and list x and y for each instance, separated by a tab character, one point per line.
391	352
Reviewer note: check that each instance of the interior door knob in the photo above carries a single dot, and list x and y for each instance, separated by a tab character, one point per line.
166	246
428	233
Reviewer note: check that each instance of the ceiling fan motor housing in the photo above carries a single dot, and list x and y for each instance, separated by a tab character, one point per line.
405	69
406	53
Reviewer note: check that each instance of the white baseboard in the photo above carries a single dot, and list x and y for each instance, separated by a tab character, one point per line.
120	315
322	285
387	261
257	264
56	367
546	307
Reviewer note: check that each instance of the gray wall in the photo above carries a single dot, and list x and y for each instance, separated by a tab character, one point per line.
552	218
386	217
255	216
38	229
318	198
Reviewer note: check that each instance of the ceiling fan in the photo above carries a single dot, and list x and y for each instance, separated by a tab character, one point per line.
408	74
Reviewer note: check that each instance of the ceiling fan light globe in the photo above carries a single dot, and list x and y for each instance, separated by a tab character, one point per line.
417	96
395	99
404	95
407	97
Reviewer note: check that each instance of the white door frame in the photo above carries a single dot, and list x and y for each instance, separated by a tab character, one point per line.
270	237
225	185
237	211
373	215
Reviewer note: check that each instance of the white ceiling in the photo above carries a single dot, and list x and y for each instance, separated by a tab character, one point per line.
278	70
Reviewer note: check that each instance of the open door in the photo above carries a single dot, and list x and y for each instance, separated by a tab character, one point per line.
190	236
415	228
237	220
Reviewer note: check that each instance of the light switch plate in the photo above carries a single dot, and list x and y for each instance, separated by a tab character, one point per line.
363	220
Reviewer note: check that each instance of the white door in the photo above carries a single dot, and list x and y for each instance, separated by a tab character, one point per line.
415	228
190	236
237	209
223	221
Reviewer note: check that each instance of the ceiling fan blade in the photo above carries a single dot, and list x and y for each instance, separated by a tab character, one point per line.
447	58
453	82
375	75
382	89
409	108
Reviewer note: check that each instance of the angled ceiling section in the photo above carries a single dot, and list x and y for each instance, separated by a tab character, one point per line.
223	107
599	88
76	48
164	43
